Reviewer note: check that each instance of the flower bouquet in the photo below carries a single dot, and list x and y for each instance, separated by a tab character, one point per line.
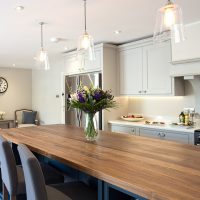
91	100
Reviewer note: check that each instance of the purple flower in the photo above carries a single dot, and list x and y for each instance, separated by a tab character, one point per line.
81	98
97	96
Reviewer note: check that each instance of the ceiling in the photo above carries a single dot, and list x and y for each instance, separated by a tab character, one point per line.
20	32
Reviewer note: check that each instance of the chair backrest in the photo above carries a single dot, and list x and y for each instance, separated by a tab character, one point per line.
8	167
18	115
34	179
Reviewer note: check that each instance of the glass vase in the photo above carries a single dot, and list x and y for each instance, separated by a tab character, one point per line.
90	129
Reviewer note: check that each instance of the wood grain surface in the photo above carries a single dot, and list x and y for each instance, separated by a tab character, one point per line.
151	168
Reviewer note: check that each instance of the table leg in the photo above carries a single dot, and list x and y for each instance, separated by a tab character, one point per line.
100	190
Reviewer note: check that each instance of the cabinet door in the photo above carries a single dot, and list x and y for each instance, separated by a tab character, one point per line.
150	133
156	69
95	65
72	64
188	50
131	71
123	129
80	64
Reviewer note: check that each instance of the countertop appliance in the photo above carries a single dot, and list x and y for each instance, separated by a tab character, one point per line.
73	116
197	137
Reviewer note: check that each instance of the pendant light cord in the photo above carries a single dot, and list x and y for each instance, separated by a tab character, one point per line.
41	24
169	2
85	17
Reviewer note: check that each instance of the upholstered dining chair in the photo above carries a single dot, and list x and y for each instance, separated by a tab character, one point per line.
13	176
26	118
34	178
39	191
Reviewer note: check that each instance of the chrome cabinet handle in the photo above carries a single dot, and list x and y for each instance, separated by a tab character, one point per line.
140	91
145	91
161	135
133	131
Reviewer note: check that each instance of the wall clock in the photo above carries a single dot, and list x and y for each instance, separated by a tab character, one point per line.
3	85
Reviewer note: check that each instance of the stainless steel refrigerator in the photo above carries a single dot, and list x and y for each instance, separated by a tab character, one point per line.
76	117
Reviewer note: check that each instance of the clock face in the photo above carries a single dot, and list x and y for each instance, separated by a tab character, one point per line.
3	85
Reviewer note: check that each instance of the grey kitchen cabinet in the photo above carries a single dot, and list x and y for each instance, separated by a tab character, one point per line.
131	71
164	134
145	70
176	136
123	129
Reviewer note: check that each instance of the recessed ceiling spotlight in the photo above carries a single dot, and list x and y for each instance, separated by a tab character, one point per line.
66	48
117	32
13	65
19	8
54	39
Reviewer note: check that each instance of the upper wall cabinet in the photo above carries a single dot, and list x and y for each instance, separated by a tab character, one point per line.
156	69
131	71
74	65
105	62
188	50
145	69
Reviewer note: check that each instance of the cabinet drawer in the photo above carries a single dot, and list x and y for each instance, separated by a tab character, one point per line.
165	135
178	137
123	129
149	133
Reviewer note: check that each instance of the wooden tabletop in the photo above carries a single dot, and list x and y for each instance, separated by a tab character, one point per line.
151	168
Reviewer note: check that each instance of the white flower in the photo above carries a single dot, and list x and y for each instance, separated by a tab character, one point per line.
86	89
74	96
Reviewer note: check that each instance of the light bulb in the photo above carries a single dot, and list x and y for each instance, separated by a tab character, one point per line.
85	42
42	56
169	17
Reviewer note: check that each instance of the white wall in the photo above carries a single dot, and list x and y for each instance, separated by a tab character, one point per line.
45	86
19	93
168	107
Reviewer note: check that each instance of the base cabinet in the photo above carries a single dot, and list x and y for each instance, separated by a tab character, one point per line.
177	136
166	135
123	129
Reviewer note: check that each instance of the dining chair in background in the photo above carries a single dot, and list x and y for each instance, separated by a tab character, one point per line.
35	183
13	183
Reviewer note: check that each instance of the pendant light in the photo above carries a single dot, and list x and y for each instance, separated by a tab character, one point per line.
169	24
86	43
42	60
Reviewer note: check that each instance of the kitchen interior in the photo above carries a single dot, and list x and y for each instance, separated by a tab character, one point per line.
149	58
154	80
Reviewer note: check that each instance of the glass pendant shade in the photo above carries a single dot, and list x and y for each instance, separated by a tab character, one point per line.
86	47
169	24
42	60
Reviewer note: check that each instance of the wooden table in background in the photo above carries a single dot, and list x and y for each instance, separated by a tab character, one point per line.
151	168
6	123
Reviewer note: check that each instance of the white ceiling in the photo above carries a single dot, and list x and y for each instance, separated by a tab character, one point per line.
20	32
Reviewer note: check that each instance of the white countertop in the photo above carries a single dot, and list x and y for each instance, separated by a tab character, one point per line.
162	127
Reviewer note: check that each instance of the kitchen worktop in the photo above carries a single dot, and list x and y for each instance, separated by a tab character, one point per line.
162	127
153	170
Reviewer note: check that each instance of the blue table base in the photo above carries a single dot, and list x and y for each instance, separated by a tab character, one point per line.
105	190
